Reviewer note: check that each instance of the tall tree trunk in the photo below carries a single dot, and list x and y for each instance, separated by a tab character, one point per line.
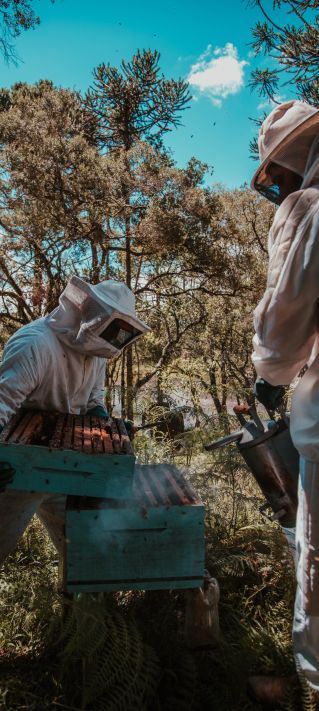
123	399
159	391
37	284
108	400
219	402
129	352
129	383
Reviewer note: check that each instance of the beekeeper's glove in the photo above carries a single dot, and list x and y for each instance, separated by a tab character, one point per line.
98	411
271	396
6	475
130	428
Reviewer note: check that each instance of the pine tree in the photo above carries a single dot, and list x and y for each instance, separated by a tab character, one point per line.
293	42
131	105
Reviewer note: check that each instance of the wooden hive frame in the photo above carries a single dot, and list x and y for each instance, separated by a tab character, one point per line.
68	454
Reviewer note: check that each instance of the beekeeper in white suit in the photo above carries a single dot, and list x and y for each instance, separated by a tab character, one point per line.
286	339
58	363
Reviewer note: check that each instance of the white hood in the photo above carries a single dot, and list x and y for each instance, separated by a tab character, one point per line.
286	137
303	160
85	310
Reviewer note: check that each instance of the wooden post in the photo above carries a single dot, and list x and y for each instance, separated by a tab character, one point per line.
202	618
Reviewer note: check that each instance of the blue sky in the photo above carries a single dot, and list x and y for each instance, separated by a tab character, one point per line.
206	43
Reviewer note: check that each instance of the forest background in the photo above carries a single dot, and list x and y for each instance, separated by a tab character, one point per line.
88	187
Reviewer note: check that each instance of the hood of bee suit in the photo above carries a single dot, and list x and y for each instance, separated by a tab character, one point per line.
289	137
86	311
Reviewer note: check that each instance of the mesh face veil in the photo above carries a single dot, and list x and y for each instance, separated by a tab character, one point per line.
274	188
286	138
119	333
270	192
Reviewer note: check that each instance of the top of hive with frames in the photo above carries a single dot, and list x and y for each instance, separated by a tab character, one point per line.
80	433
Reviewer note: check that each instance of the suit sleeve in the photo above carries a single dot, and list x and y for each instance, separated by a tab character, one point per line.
21	370
286	319
96	397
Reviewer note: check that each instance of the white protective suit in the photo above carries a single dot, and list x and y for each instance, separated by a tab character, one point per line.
286	339
57	363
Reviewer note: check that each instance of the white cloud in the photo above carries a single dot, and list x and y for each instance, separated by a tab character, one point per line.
218	73
264	105
270	104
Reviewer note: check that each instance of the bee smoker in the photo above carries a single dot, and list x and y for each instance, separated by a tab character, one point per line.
267	448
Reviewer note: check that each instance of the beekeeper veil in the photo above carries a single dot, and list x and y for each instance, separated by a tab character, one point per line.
289	136
98	320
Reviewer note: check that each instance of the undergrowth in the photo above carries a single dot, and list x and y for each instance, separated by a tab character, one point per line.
126	651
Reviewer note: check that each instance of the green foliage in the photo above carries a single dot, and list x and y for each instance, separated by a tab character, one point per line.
120	671
54	184
180	688
15	16
29	608
135	103
31	585
293	42
88	189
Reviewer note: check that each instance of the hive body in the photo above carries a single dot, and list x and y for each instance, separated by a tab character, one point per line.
125	528
68	454
154	541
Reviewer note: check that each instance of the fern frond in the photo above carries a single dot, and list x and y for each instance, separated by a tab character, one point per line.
308	696
288	704
120	672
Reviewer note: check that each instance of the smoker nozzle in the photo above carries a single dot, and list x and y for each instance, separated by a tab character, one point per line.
228	439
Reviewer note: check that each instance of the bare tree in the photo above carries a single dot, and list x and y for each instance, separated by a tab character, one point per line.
15	16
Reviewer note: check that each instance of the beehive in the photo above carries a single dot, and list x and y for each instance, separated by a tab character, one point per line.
153	541
68	454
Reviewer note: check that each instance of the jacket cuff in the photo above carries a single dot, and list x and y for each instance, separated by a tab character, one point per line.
98	411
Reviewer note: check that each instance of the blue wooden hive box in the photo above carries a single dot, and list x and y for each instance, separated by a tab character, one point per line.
154	541
68	454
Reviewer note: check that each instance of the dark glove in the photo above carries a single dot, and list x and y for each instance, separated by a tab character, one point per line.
130	428
6	475
98	411
271	396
